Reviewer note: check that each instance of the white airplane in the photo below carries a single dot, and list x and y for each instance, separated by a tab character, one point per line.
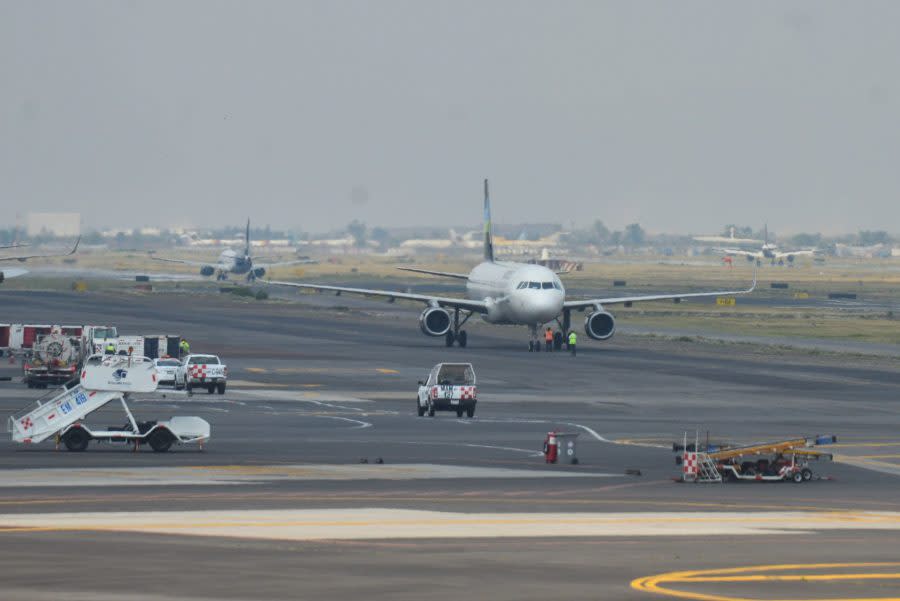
768	251
232	262
509	293
14	272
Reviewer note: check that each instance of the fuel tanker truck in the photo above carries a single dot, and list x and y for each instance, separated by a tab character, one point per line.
53	359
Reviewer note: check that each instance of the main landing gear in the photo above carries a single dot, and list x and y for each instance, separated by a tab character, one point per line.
456	334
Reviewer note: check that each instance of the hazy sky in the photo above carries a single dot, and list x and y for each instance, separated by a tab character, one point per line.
682	115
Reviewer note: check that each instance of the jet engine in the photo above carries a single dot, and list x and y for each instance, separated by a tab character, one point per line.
434	321
259	272
207	270
600	325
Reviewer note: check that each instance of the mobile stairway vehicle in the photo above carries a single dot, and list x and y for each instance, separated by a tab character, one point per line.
103	379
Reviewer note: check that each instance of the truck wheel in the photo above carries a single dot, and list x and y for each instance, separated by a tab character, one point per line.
470	412
160	440
430	409
220	387
177	385
420	410
211	388
76	440
807	474
797	477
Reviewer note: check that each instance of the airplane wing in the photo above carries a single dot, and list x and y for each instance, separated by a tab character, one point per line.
285	263
443	274
739	252
14	272
581	304
26	257
442	301
782	254
184	262
14	245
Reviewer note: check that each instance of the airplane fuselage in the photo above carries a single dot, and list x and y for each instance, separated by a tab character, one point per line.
516	293
232	262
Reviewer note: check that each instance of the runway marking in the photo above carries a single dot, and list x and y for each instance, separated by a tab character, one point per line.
250	384
256	370
383	370
365	523
361	423
742	575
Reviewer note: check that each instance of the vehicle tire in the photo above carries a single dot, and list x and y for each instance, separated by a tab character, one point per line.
797	477
220	387
450	338
76	440
211	388
430	409
807	474
160	440
470	411
459	413
463	339
420	410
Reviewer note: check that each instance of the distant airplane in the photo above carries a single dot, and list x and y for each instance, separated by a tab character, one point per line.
230	262
14	272
509	293
769	251
729	239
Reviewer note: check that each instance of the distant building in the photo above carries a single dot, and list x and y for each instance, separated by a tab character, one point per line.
57	224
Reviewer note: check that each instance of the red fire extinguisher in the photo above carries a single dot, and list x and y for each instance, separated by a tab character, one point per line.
551	448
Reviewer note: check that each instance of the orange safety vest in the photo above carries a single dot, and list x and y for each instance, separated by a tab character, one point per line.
548	336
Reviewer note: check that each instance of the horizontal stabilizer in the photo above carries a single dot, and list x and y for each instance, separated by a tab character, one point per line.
445	274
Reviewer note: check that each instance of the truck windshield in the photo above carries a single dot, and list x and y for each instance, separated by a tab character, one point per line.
103	333
204	360
456	375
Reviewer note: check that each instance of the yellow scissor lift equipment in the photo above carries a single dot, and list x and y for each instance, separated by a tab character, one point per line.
762	462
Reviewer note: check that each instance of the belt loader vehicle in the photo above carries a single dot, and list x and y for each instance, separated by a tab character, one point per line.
103	380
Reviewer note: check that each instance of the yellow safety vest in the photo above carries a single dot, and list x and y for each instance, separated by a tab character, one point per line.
573	338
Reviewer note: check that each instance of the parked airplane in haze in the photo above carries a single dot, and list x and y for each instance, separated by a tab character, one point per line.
509	293
232	262
13	272
768	251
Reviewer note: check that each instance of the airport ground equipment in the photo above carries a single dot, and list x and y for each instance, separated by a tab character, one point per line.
561	446
201	371
449	387
53	359
775	461
104	379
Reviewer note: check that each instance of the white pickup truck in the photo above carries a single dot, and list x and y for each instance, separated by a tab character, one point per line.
449	387
201	371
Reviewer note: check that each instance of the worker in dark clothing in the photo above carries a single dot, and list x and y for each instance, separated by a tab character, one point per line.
573	340
548	340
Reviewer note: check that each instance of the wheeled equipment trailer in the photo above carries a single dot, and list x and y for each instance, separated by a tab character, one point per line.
104	379
784	460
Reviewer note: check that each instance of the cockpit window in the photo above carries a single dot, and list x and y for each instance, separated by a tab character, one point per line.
522	285
535	285
557	285
547	285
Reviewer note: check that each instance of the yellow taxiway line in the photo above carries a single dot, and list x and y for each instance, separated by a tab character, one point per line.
763	574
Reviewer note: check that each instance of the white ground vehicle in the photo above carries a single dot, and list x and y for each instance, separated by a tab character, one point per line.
166	368
201	371
103	379
449	387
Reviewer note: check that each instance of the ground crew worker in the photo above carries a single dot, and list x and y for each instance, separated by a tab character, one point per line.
548	340
573	339
110	349
184	348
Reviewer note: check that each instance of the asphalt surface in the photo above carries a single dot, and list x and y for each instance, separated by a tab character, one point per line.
279	506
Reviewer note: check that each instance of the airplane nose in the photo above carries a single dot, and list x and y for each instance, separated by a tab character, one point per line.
541	307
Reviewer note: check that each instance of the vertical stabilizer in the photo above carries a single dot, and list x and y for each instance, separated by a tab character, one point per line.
488	234
247	240
766	233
